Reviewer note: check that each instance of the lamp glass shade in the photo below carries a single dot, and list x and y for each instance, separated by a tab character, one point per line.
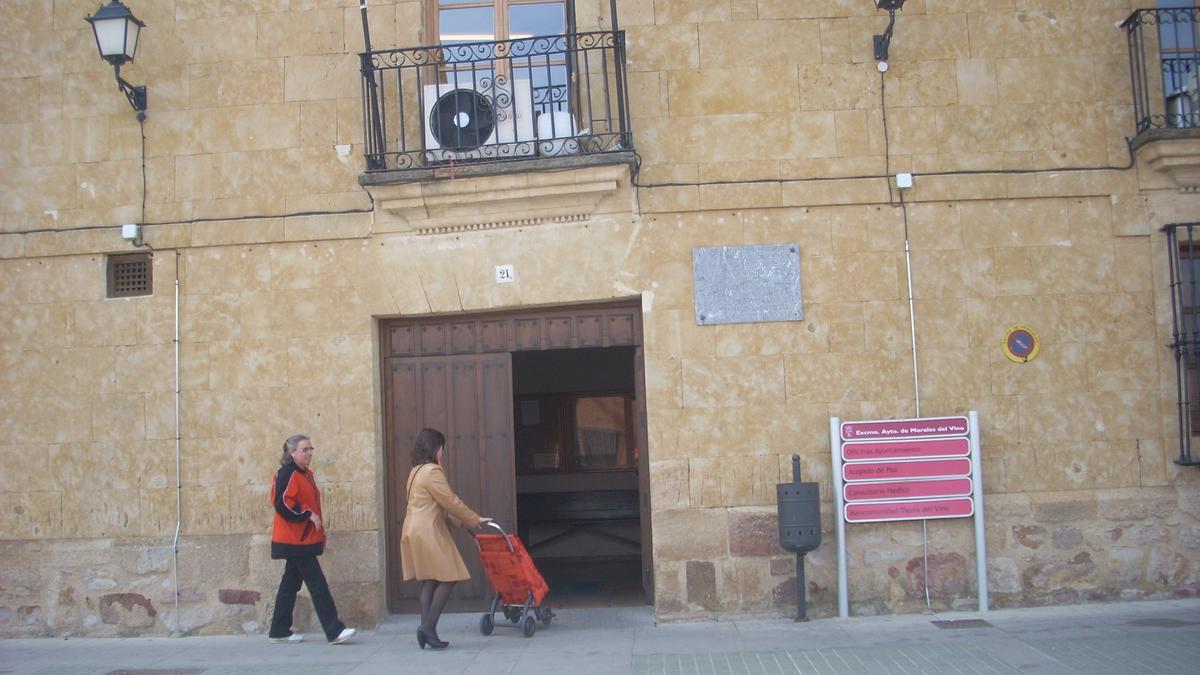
117	31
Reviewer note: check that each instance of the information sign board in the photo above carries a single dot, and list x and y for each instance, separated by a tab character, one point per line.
907	489
923	448
908	468
923	427
931	509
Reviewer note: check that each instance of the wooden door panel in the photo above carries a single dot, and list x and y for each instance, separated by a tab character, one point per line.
449	394
497	442
402	416
462	462
434	395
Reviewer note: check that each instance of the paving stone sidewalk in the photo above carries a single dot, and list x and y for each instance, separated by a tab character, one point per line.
1133	637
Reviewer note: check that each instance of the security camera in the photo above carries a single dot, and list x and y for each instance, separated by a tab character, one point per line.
889	5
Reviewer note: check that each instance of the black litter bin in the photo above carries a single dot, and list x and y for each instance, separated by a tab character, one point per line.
799	505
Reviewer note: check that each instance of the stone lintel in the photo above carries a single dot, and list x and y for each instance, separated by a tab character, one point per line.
457	171
501	200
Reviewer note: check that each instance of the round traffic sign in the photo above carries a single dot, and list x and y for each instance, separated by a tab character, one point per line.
1021	344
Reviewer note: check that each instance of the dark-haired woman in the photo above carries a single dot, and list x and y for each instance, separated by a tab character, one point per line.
298	536
427	553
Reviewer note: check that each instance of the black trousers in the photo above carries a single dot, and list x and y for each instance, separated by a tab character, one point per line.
308	571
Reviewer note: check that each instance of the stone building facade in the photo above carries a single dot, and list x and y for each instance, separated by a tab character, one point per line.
277	258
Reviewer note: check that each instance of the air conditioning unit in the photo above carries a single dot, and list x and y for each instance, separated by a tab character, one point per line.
485	119
1193	94
1183	104
557	134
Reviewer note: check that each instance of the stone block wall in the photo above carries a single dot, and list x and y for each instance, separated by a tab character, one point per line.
255	117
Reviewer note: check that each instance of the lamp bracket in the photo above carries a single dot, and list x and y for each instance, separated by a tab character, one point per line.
135	94
884	40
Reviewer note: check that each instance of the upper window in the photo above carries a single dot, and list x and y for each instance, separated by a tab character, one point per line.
459	21
1180	53
545	67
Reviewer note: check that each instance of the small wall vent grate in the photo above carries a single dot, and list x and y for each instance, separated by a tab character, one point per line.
130	274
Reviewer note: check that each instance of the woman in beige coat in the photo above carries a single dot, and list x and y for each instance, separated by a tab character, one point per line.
427	553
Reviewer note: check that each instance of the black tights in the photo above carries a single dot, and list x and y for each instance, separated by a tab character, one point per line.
434	595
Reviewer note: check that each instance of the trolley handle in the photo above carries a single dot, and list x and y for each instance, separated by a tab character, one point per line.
502	533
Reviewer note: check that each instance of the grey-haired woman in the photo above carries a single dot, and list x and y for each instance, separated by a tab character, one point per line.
298	537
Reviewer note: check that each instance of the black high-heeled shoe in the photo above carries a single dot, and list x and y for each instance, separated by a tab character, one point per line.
428	637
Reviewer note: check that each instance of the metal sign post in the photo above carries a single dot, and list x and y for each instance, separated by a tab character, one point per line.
911	469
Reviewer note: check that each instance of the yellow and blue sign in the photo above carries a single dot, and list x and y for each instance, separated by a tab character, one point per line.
1021	344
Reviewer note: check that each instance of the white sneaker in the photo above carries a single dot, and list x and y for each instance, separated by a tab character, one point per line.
289	640
343	637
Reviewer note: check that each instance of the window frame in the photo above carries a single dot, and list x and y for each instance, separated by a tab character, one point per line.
564	410
500	27
502	67
1188	260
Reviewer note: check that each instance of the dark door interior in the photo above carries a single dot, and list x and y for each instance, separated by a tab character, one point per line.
577	453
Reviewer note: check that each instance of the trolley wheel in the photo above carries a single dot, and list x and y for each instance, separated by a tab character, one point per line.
528	627
486	624
545	615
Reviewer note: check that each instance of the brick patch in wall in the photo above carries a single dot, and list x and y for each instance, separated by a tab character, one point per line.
238	596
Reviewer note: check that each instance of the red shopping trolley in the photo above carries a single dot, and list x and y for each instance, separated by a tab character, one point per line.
520	588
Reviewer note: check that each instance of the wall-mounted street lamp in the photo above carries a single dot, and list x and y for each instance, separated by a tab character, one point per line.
117	31
883	41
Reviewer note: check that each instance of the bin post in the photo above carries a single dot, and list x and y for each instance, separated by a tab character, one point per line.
801	584
801	590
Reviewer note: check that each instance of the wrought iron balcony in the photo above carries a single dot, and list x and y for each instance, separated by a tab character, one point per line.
523	99
1164	54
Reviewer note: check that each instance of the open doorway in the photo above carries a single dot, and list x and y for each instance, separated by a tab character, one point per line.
576	461
579	418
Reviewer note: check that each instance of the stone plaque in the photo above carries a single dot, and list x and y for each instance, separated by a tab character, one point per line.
747	284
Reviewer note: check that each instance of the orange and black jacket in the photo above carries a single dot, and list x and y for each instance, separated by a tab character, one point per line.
295	497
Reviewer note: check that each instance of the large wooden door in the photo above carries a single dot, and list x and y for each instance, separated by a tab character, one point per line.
469	399
454	373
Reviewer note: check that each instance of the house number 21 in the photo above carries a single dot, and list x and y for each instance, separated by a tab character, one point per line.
505	274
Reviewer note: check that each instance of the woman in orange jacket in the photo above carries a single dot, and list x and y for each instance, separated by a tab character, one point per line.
427	553
298	536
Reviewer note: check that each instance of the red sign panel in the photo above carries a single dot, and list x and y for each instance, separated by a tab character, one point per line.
915	449
907	489
906	469
910	428
868	512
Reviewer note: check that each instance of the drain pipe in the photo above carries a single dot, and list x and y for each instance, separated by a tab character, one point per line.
912	314
178	472
912	327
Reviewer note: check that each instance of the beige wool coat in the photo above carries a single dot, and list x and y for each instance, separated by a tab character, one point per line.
426	549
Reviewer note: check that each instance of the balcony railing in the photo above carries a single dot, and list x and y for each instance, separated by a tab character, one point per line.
523	99
1163	58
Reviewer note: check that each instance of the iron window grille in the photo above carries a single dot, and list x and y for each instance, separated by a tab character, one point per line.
130	275
1184	256
519	99
1164	55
